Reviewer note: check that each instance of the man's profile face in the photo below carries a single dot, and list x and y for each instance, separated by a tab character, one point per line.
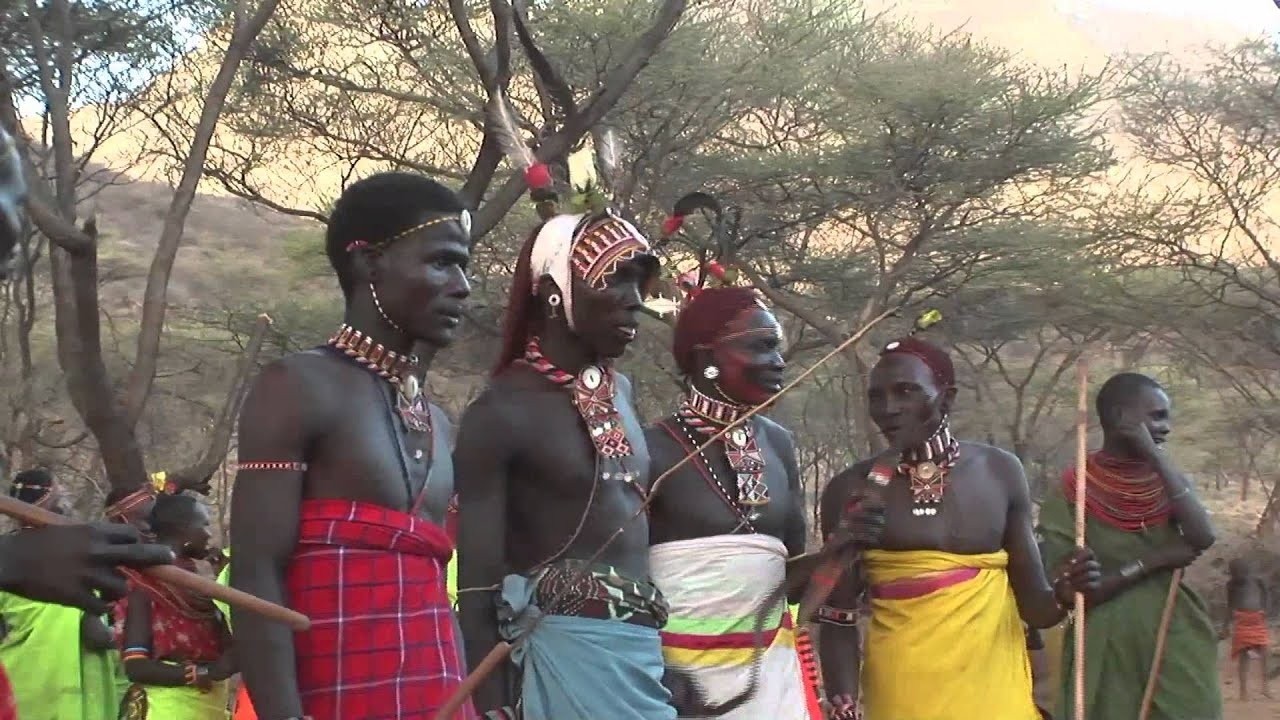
422	282
607	320
750	357
905	400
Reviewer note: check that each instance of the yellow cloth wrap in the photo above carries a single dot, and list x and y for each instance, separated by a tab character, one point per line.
956	652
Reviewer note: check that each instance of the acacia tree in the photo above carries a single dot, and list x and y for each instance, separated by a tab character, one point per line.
1205	213
54	72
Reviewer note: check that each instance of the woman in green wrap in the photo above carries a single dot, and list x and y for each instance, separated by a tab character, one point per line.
1143	523
176	646
60	660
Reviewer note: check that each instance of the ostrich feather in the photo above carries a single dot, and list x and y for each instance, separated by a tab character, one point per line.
506	130
609	154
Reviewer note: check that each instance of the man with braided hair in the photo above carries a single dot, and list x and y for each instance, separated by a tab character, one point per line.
949	561
724	524
552	461
345	475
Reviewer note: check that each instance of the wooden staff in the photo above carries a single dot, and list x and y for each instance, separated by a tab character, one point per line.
39	517
1082	457
503	649
1157	659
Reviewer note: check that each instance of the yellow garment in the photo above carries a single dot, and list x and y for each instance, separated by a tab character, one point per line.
957	653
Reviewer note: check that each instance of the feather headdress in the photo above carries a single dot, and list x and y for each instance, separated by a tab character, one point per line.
506	129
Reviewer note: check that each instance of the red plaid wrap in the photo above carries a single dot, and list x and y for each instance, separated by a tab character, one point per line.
381	644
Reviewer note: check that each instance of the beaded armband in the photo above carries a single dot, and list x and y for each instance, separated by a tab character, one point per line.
135	653
836	616
271	465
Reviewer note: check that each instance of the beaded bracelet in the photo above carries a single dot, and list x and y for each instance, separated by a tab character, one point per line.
135	653
836	616
272	465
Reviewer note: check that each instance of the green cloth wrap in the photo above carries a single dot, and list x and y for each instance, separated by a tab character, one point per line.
1120	634
53	676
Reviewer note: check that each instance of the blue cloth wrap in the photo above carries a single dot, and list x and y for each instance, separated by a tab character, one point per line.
575	668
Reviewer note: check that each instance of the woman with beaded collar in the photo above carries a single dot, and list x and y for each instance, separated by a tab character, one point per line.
723	526
345	475
948	561
1145	522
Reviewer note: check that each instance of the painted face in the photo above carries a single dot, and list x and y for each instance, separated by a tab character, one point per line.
606	319
905	400
749	355
422	284
1150	406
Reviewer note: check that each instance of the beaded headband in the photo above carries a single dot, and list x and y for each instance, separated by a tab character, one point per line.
122	507
463	218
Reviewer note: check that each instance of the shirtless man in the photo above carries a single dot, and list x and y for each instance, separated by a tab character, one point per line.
724	524
950	563
551	462
1248	600
345	475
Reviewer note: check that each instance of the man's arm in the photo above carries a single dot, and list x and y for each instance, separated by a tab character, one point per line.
797	529
139	665
1191	516
839	642
1037	603
481	462
264	530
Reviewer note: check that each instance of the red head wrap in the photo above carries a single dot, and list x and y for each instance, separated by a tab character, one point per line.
937	359
706	318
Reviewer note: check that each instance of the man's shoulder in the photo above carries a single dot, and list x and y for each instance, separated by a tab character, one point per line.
297	376
775	430
498	404
994	456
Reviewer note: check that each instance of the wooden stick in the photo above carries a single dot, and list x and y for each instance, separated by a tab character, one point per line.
1157	658
39	517
1082	457
496	656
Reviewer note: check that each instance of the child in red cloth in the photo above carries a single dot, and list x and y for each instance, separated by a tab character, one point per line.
1247	599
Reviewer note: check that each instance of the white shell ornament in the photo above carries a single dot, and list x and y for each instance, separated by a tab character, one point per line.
591	377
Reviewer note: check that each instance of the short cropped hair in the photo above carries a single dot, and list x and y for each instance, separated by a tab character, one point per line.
172	514
377	208
1119	389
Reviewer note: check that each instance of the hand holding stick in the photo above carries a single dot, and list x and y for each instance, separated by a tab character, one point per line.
39	517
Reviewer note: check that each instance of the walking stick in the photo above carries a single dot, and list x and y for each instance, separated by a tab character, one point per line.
39	517
1082	451
503	649
1153	677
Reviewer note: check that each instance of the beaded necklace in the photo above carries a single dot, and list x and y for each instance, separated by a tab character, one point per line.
1126	494
397	369
593	391
927	466
709	416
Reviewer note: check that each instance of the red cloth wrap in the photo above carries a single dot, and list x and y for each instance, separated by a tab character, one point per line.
184	627
934	357
8	705
381	644
1249	631
705	319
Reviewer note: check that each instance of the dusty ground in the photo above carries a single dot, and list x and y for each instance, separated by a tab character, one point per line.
1257	708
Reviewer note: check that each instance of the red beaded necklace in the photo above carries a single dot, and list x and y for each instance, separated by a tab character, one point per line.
1126	494
593	390
709	416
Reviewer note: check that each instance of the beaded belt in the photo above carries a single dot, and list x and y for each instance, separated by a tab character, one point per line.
571	587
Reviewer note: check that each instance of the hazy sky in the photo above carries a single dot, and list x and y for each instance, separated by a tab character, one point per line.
1249	15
